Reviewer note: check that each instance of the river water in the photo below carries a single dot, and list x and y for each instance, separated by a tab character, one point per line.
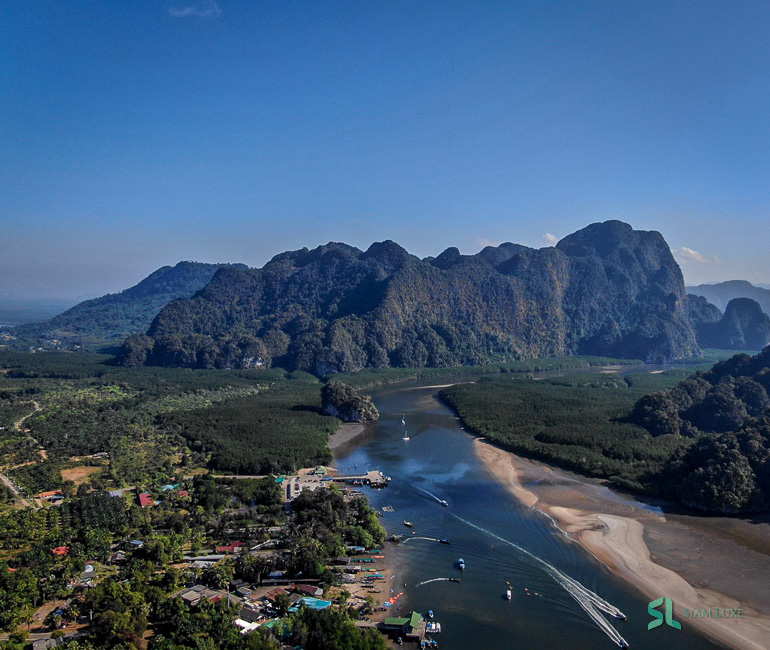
500	540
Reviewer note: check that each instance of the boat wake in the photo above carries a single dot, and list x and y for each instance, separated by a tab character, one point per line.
425	582
430	539
592	603
431	495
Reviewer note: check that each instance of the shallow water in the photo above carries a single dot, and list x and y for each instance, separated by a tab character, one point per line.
500	540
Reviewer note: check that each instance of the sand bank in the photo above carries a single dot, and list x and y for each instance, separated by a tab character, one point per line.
721	571
347	432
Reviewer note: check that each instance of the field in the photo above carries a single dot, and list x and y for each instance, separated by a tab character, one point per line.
80	474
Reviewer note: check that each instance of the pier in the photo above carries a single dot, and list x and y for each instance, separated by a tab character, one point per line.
373	478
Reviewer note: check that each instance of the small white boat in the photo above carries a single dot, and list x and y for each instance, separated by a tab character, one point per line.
408	524
461	564
444	503
508	594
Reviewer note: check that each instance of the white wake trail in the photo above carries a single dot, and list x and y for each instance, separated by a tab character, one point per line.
587	599
430	494
425	582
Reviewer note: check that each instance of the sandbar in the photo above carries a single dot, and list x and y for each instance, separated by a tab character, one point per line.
698	564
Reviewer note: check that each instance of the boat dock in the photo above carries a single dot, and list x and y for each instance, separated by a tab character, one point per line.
373	478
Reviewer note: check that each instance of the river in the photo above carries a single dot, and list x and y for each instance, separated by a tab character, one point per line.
500	540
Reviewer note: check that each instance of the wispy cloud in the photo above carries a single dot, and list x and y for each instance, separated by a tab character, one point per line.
550	238
685	254
202	9
689	255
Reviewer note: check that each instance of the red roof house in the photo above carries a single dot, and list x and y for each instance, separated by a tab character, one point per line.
145	499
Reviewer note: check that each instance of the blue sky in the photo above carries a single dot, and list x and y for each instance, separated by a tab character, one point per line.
137	134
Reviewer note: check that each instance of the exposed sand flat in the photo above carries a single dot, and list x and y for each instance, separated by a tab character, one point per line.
345	434
711	573
439	385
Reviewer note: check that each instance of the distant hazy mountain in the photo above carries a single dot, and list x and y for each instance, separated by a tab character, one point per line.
723	292
606	289
110	319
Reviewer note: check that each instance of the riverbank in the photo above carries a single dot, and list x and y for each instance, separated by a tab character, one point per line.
658	553
346	437
346	433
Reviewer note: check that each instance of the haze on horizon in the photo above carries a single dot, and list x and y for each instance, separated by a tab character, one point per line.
136	135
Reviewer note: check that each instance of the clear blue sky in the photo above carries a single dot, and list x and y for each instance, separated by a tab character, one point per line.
137	134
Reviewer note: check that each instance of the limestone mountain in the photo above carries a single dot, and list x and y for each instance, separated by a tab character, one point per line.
342	401
744	326
606	289
108	320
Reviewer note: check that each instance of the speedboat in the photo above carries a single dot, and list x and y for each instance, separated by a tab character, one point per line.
443	541
461	564
408	524
444	503
430	613
508	594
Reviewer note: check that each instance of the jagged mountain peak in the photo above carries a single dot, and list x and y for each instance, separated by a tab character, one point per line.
607	289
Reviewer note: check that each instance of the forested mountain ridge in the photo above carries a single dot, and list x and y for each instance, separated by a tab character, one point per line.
727	411
108	320
606	290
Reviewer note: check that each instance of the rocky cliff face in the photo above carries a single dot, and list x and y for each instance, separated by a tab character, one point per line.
700	310
607	289
342	401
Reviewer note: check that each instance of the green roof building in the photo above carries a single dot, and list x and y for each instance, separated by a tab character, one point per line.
412	626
